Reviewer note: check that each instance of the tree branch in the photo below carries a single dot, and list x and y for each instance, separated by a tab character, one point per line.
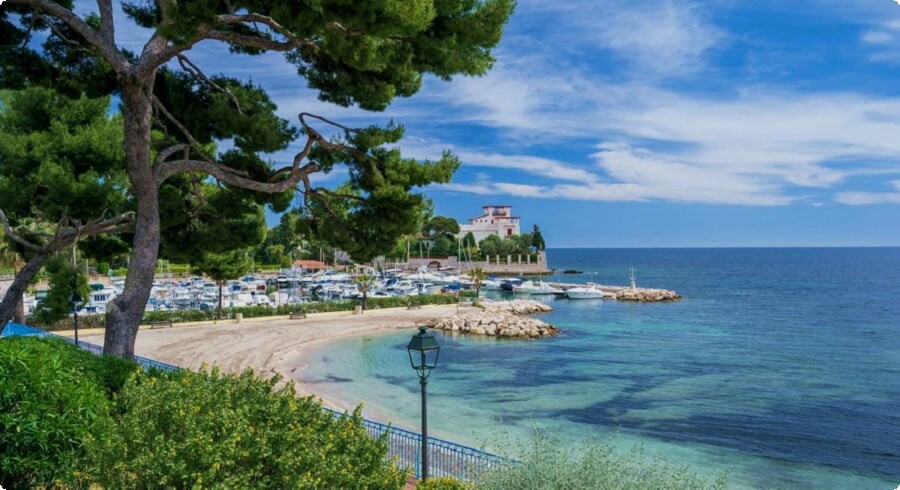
107	49
107	28
337	26
65	235
157	51
187	134
252	41
14	236
195	71
338	194
226	174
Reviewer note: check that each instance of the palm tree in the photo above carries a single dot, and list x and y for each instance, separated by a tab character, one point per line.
364	282
478	275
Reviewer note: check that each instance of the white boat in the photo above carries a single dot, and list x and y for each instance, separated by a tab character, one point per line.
584	292
536	288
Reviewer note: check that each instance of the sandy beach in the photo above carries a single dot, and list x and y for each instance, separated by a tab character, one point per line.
273	345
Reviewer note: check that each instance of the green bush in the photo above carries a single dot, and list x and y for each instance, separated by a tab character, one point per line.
444	483
102	268
84	321
192	430
545	464
51	400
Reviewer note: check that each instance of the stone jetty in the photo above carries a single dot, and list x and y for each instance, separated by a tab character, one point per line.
646	295
643	295
501	319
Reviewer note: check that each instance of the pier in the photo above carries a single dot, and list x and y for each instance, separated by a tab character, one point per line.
627	293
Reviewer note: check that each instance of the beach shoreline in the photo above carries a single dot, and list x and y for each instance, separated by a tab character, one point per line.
277	345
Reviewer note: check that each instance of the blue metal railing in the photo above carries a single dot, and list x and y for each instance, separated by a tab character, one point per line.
445	458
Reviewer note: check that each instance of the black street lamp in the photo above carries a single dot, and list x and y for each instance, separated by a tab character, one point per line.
423	356
75	300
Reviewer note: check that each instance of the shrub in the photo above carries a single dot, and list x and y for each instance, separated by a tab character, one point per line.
444	483
84	321
234	431
102	268
50	402
544	464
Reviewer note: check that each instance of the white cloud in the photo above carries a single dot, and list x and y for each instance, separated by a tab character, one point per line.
543	167
660	37
884	41
657	37
866	198
758	146
877	37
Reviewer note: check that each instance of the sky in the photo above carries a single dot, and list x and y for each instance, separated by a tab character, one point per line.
659	123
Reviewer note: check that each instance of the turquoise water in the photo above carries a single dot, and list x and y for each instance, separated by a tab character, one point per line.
781	366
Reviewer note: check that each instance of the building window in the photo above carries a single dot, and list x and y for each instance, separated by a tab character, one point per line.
509	232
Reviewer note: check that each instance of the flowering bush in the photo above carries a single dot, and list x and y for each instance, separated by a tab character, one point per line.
206	429
52	397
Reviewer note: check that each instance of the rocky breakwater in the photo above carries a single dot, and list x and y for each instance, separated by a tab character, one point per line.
501	319
647	295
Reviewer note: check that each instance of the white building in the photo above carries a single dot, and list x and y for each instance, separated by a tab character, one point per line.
495	220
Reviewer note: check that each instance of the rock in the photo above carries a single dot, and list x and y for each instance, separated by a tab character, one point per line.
501	319
647	295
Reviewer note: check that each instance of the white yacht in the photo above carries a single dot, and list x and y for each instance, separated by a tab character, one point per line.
584	292
536	288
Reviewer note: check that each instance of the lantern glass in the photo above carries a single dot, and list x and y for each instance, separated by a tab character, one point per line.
423	352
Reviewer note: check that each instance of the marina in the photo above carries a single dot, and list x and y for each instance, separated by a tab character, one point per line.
294	287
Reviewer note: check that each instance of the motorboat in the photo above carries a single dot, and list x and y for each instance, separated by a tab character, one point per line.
536	288
584	292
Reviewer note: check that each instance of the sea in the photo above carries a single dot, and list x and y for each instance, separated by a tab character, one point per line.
780	368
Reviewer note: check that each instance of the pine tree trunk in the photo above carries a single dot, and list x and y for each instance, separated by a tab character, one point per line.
13	297
19	316
124	314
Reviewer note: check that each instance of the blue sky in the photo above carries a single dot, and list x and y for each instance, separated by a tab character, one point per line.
658	123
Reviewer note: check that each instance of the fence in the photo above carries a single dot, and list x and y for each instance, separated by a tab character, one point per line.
445	458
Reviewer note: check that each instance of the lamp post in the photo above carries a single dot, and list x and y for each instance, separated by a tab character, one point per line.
75	300
423	356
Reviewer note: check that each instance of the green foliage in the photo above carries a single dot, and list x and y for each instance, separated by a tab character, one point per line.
537	239
493	245
440	225
102	268
442	246
469	241
207	429
52	398
544	463
366	216
282	242
478	276
444	483
60	157
224	266
64	280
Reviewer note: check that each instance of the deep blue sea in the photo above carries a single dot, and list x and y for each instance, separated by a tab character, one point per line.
781	366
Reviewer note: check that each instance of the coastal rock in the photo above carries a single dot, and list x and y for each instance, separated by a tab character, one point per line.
517	307
647	295
501	319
